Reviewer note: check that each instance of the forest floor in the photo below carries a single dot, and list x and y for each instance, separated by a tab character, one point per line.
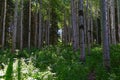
58	63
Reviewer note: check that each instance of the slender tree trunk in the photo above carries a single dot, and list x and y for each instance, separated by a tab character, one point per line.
77	25
89	43
85	29
75	45
48	26
86	24
96	25
4	20
29	29
36	24
88	29
113	32
97	29
91	24
106	50
40	26
118	8
69	31
65	29
69	34
109	28
15	26
46	31
81	26
21	26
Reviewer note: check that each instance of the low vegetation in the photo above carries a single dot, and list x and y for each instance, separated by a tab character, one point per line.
58	63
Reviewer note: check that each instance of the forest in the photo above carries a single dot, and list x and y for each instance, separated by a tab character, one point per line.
60	40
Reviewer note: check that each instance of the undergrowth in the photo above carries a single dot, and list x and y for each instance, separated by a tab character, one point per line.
58	63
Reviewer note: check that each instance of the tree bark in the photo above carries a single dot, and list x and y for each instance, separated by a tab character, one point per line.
81	27
48	41
29	29
21	26
88	28
113	32
106	50
15	26
91	24
36	24
118	10
40	26
65	29
4	20
109	27
74	26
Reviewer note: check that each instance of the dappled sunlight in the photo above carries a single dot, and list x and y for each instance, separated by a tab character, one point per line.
99	49
56	63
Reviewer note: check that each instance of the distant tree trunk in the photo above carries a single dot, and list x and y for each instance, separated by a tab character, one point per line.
97	36
21	26
88	29
89	43
112	10
91	24
106	50
15	26
118	10
65	29
4	20
86	24
77	25
69	34
36	24
46	31
81	26
74	26
109	28
1	20
40	26
29	29
85	29
48	41
96	25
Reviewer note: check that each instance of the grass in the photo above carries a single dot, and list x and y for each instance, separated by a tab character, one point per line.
59	63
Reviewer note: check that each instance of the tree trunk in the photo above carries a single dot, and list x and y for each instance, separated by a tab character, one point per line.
65	29
91	24
36	24
46	31
97	29
88	28
118	10
85	29
4	20
1	20
40	26
81	27
74	26
21	25
109	28
77	25
113	32
29	29
106	50
15	26
88	33
48	41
